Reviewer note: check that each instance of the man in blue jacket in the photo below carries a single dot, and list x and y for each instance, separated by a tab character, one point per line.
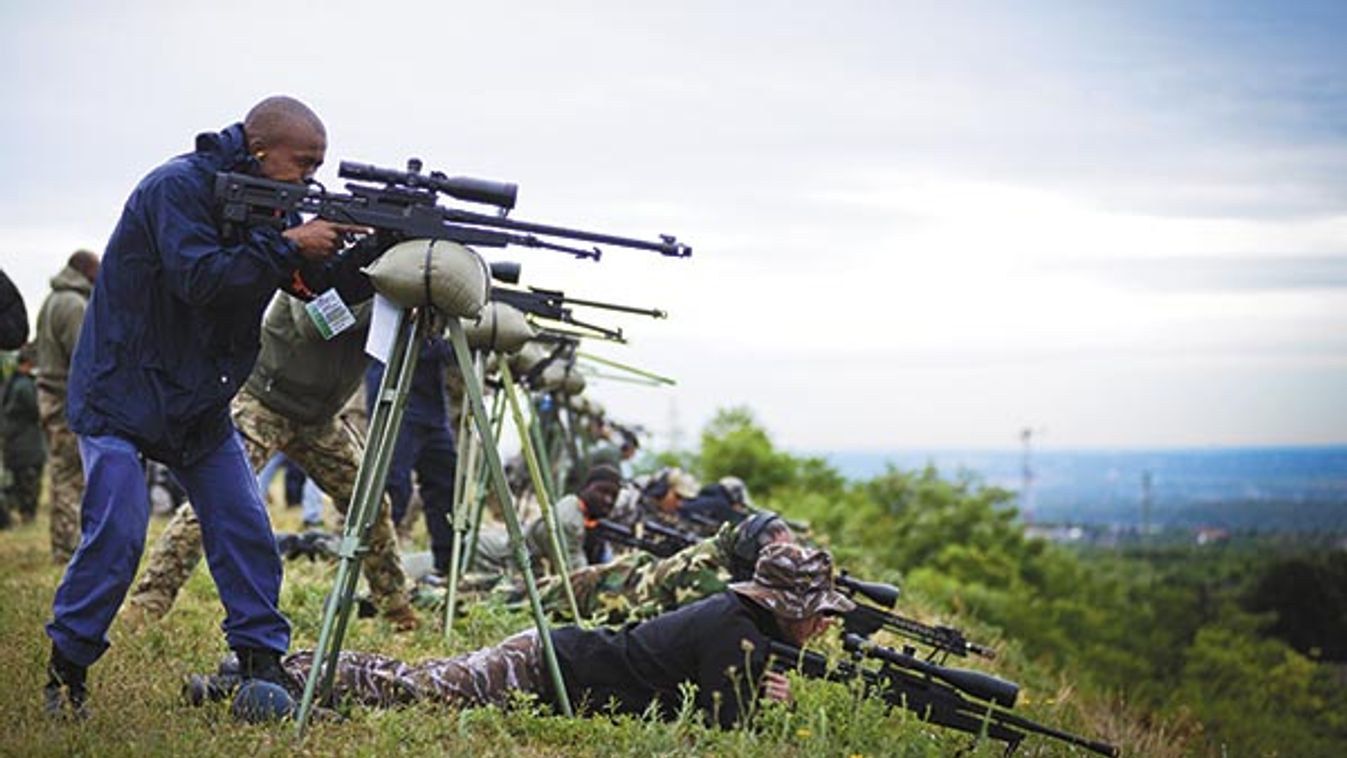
170	334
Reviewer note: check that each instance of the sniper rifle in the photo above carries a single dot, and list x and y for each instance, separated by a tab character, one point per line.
402	205
866	619
665	542
968	701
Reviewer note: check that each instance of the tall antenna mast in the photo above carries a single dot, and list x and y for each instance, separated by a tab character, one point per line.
675	429
1146	500
1027	476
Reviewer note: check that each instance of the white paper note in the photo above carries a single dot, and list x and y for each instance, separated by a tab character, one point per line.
383	328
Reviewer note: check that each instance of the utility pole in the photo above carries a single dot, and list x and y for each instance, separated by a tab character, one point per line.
1147	494
1027	476
675	429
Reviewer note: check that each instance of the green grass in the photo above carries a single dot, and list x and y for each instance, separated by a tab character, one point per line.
138	709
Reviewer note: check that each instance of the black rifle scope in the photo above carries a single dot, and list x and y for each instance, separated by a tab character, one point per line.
879	593
465	188
975	683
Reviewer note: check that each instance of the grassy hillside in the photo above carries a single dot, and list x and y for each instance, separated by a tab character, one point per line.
138	709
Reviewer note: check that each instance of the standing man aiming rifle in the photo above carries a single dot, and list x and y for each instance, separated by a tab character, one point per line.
169	336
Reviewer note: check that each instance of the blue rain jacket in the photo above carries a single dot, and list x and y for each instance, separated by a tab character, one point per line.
172	328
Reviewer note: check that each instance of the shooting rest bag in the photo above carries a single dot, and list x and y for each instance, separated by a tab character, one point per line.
530	355
558	377
574	381
447	275
499	328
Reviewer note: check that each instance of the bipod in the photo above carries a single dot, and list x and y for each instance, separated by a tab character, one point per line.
366	500
502	487
545	502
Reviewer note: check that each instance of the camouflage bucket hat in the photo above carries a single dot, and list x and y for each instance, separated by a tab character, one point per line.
794	582
683	483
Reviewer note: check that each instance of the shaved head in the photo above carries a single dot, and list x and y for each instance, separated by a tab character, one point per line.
286	137
279	119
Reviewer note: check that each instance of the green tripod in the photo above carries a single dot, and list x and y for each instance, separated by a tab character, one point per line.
385	421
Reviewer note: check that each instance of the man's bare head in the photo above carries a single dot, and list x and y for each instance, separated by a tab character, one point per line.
286	137
84	262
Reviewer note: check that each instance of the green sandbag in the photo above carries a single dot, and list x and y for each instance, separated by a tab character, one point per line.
574	383
447	275
558	377
500	328
528	356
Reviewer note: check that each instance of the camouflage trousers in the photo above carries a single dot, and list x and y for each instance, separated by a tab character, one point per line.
482	677
330	454
65	477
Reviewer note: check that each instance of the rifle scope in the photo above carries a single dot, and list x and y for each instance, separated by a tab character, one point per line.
975	683
879	593
465	188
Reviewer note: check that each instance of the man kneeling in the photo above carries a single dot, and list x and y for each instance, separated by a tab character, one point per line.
720	644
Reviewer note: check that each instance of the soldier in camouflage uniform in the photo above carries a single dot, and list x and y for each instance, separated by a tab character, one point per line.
58	328
657	497
720	645
639	586
290	405
575	515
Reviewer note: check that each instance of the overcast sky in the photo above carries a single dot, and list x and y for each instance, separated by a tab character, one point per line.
1120	224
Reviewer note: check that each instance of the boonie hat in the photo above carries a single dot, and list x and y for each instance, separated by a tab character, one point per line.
794	582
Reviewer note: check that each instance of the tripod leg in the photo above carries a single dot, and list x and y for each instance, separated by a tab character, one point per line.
365	504
502	487
467	480
479	494
549	513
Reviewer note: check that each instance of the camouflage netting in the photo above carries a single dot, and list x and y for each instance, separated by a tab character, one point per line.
447	275
501	328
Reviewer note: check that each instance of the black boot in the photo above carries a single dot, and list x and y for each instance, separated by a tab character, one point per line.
260	663
65	684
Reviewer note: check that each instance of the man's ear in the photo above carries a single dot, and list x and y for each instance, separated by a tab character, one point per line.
256	146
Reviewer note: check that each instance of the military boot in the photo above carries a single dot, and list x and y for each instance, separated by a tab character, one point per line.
65	686
260	663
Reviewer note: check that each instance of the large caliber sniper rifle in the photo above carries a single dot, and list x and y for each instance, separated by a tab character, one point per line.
969	701
555	306
404	205
649	536
865	619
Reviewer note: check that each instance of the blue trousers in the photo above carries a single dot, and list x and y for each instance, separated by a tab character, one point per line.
235	531
428	449
310	497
